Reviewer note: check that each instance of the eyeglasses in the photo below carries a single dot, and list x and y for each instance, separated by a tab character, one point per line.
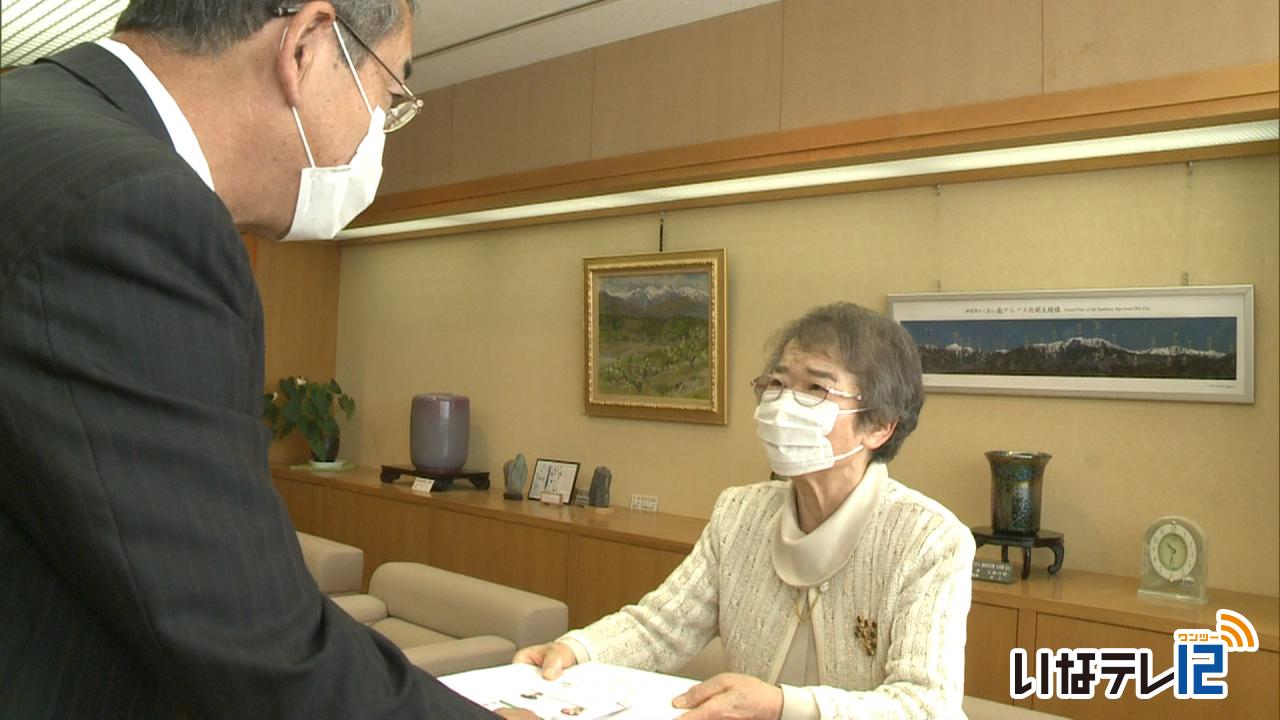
768	388
404	107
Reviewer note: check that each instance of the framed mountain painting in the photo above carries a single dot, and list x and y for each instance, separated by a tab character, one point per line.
655	336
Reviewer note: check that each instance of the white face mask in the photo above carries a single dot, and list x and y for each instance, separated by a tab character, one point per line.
795	436
331	197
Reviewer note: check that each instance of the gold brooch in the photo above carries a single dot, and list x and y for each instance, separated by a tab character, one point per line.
866	632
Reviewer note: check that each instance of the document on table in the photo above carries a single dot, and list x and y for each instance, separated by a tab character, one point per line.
583	692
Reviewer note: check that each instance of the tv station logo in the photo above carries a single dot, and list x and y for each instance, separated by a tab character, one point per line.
1199	669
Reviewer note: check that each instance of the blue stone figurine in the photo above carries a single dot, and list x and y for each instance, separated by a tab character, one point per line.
598	495
513	472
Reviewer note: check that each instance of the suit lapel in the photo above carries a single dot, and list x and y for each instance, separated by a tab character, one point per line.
97	67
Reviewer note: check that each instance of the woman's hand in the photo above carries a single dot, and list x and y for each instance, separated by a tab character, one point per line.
733	697
553	658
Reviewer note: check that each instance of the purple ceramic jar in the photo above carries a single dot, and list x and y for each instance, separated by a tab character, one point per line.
439	430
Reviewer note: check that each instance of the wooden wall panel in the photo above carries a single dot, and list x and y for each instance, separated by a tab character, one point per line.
531	117
305	503
993	632
694	83
511	554
1251	677
251	247
866	58
417	155
1103	42
298	283
608	575
385	529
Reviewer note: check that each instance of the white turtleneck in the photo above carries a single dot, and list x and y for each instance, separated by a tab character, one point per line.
805	561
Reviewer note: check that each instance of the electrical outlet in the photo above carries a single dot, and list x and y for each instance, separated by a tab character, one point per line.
647	503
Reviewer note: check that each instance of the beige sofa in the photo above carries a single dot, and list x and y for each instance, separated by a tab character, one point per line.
337	568
711	661
446	622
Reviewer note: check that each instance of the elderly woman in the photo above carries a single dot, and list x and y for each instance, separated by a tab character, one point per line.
838	593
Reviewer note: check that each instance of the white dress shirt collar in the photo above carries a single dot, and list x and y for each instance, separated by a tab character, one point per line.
180	132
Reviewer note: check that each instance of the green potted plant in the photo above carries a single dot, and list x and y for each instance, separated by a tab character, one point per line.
308	407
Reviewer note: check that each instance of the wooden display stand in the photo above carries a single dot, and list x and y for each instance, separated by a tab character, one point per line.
479	479
1042	538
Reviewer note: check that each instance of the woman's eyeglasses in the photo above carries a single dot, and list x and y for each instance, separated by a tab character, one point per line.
768	388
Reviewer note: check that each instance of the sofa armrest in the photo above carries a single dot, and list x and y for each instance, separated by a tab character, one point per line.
458	656
463	606
366	609
336	567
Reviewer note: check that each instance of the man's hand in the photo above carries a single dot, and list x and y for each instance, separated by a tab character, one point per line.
553	658
732	697
516	714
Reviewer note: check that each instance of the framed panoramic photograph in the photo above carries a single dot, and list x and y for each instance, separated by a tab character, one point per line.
1166	343
556	477
655	336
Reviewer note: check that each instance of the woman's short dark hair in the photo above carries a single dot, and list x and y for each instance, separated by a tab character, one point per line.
877	351
211	26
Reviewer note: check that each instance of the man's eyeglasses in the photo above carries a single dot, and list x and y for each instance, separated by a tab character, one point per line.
404	107
768	388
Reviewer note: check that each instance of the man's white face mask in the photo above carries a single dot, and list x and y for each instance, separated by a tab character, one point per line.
795	436
331	197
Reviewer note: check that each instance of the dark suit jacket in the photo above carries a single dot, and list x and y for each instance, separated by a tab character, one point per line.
147	566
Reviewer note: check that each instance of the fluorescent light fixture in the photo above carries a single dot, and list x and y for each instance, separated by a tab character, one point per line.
1232	134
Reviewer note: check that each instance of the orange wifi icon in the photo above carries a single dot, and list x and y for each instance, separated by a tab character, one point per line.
1237	632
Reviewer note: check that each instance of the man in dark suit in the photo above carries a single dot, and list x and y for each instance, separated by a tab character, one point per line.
147	567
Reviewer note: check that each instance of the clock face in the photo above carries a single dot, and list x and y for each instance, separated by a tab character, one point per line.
1172	550
1175	561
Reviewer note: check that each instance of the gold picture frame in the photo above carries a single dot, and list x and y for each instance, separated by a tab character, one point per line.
654	331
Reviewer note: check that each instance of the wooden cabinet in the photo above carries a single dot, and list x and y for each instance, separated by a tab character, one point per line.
511	553
385	529
1077	609
609	574
596	562
993	632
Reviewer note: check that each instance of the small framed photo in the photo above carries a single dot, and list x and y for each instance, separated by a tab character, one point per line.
557	477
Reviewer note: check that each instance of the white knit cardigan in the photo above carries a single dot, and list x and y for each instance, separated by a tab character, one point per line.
910	573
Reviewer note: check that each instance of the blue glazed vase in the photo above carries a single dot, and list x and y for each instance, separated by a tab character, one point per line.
439	432
1017	479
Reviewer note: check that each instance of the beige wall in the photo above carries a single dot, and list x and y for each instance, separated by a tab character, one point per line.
802	63
498	316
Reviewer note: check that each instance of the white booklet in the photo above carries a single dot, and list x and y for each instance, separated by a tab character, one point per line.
583	692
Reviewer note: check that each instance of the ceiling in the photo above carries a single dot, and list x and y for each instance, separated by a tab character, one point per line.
31	29
454	40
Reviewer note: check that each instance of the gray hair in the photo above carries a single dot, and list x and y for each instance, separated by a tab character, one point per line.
210	26
875	350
